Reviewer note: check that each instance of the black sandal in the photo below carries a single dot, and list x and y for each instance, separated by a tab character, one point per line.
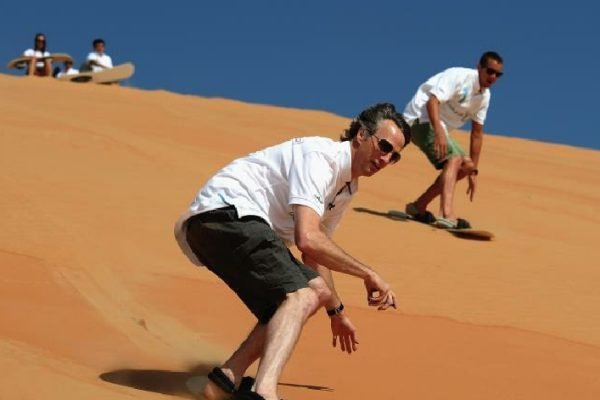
425	217
462	224
218	377
248	396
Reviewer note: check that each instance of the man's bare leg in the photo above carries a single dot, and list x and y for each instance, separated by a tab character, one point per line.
449	177
235	367
283	331
429	195
253	347
437	186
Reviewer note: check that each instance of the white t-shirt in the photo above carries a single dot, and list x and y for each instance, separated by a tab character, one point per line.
37	54
309	171
460	96
103	59
70	71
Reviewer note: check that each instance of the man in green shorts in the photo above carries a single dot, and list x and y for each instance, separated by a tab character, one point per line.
242	220
443	103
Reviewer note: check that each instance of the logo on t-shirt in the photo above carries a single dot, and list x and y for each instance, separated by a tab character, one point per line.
319	199
464	93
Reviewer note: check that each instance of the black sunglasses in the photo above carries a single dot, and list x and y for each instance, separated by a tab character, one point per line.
386	147
492	71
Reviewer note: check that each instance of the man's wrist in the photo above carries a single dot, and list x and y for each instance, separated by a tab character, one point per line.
335	310
475	172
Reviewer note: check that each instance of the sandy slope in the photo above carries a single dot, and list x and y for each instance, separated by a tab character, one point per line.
96	300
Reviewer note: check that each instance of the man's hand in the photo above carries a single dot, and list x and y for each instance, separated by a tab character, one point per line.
440	145
379	293
342	328
472	186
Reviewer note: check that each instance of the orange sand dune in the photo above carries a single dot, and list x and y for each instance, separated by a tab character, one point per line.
97	302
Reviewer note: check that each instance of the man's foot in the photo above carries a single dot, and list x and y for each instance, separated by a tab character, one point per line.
445	223
421	216
220	386
248	396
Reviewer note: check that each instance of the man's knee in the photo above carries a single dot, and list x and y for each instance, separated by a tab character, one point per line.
310	299
321	290
305	298
454	161
451	164
468	164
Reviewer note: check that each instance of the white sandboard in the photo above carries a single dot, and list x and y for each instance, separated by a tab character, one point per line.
109	75
21	62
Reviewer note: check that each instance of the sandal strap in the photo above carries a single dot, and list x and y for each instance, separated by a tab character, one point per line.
246	384
247	396
218	377
462	224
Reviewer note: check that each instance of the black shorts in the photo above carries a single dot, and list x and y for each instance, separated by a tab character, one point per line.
249	257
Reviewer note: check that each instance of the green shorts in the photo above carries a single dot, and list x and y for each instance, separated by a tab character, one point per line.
249	257
423	136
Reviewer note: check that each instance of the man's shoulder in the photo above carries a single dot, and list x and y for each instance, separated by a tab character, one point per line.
459	72
321	145
313	140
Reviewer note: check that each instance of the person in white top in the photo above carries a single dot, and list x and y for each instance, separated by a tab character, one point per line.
443	103
240	224
98	60
67	69
38	66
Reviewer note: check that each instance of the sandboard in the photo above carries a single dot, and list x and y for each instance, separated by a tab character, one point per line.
474	234
110	75
21	62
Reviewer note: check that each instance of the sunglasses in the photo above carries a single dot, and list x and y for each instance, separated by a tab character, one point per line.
492	71
386	147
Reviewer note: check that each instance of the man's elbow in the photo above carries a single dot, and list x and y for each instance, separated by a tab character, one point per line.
307	243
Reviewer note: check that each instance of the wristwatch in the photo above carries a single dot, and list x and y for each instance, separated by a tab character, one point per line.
336	311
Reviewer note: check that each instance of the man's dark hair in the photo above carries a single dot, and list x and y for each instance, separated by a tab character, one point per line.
370	118
490	54
98	41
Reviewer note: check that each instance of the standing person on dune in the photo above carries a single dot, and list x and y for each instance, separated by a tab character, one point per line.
443	103
243	219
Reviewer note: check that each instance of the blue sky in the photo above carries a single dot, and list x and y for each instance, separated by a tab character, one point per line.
340	56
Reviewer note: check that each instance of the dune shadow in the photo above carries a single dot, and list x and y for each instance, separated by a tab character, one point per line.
184	384
396	216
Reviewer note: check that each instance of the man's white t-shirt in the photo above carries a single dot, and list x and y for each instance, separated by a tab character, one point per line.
309	171
37	54
70	71
460	96
103	59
